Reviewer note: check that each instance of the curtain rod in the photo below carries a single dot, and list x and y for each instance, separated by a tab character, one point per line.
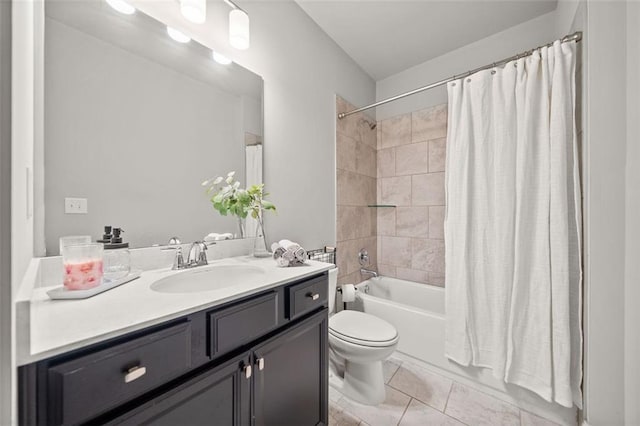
577	36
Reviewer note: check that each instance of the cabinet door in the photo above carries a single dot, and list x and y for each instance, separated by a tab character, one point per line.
291	376
219	396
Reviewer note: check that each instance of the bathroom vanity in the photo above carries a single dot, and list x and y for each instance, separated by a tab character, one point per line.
257	357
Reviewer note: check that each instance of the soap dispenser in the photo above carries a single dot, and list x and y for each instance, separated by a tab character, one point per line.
117	263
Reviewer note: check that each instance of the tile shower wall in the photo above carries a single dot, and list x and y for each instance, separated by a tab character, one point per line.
410	176
356	174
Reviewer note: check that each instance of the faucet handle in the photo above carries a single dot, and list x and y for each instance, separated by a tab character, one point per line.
178	261
202	256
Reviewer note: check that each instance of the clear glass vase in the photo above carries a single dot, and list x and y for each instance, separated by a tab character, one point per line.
260	241
241	231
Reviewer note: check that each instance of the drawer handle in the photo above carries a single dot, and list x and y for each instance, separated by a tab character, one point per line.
134	373
247	371
260	362
313	296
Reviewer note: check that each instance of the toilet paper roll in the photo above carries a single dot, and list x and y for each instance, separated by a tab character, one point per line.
348	293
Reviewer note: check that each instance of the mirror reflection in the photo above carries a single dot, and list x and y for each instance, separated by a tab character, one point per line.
135	119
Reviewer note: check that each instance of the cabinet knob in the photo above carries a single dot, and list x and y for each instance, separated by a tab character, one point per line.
260	362
313	296
247	371
134	373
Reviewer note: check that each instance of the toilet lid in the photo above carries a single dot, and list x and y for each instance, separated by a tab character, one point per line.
359	327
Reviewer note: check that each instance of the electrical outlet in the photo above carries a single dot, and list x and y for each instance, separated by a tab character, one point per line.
75	206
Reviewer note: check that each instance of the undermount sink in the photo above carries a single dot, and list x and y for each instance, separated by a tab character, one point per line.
207	278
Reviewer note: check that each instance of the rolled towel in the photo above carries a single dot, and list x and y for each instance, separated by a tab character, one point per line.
299	253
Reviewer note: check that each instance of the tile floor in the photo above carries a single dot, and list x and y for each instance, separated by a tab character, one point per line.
417	396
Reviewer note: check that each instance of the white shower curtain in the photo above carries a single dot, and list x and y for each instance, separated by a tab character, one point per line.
512	225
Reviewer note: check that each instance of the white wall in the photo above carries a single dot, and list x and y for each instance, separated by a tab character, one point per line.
632	255
303	69
501	45
6	307
604	209
22	142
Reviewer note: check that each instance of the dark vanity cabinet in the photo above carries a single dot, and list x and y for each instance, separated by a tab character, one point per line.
261	360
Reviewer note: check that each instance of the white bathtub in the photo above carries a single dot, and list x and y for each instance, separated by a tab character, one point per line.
418	313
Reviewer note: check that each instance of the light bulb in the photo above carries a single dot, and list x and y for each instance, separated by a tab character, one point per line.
122	6
221	59
239	29
194	10
177	35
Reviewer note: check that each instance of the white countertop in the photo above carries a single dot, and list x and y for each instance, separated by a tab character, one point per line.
51	327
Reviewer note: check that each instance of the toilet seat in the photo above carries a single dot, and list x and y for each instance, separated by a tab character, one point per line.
362	329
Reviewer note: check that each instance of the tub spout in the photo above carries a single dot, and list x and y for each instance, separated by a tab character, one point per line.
368	271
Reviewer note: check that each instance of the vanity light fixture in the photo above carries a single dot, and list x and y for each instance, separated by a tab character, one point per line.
177	35
194	10
220	58
122	6
238	27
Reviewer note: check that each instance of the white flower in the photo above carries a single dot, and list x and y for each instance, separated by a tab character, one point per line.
218	180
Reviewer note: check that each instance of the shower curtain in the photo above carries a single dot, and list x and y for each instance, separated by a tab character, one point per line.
512	224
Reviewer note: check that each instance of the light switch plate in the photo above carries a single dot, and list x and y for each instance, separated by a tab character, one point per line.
75	206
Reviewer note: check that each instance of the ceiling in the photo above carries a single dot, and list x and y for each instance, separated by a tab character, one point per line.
386	37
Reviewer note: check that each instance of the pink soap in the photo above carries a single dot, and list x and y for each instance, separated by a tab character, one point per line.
82	276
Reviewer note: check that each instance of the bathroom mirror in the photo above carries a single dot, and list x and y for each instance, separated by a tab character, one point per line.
134	121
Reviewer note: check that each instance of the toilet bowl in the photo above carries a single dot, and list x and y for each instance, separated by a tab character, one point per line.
358	343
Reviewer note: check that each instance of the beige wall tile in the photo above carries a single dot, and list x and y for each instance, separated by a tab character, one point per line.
371	245
430	123
354	189
395	131
386	270
412	222
368	135
412	275
354	222
427	255
437	155
352	278
345	153
347	126
369	186
386	221
436	279
427	189
365	159
436	222
396	190
396	251
386	162
348	254
412	159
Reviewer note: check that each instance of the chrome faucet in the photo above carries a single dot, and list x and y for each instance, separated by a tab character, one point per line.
368	271
198	254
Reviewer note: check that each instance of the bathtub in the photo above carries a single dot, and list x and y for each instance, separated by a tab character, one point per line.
418	313
416	310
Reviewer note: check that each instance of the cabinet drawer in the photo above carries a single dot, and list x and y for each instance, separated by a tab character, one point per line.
307	296
236	325
91	384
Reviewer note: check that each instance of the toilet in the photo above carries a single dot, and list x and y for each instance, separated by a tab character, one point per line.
358	343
